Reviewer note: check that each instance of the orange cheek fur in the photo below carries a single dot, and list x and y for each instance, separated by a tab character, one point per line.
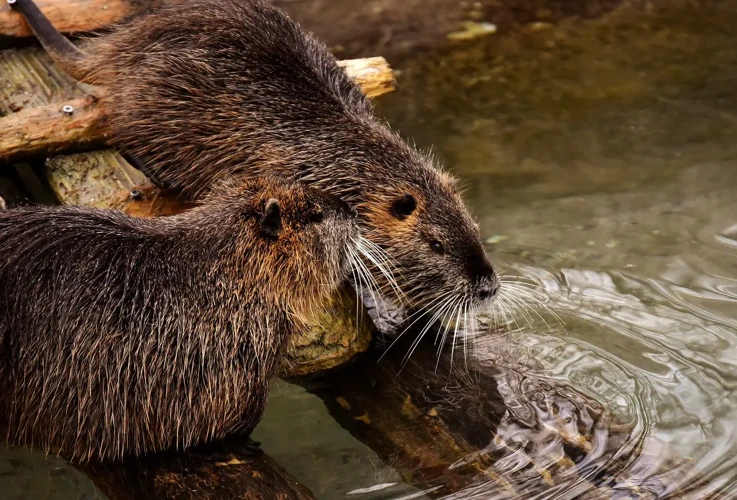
378	216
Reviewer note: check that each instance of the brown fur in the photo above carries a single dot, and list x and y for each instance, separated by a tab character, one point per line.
214	88
125	336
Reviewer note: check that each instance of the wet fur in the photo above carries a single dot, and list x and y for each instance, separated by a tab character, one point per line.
124	336
214	88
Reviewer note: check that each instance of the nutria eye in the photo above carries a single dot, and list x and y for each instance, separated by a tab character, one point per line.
316	217
437	247
403	206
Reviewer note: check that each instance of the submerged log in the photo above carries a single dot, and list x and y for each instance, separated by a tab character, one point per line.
449	430
196	475
418	419
79	123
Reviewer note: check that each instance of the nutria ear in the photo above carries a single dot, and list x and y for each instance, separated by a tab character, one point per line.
403	206
270	223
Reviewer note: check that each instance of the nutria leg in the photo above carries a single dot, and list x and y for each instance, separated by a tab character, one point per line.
247	447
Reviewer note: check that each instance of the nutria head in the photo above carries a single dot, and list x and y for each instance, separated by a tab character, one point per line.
418	217
304	240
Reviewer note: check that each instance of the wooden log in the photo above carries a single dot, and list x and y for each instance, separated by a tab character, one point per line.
47	130
449	432
196	475
50	130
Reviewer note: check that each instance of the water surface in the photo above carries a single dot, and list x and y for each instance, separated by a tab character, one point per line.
601	158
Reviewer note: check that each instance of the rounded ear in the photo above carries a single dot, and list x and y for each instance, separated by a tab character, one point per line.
403	206
270	223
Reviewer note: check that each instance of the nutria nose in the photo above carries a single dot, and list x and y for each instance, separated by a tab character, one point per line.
488	290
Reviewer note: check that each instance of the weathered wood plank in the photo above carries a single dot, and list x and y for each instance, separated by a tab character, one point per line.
49	130
29	79
75	16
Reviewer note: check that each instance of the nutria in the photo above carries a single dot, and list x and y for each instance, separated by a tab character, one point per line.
212	88
124	336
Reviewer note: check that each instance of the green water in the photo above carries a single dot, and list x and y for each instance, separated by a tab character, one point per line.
600	158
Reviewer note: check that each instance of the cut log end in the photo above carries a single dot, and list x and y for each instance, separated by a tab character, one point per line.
372	74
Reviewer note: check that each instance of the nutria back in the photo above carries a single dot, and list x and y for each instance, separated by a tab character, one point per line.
126	336
213	88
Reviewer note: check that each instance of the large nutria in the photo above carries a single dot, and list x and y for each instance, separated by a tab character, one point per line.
123	336
212	88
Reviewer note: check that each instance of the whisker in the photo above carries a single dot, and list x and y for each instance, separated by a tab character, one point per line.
422	312
364	246
438	313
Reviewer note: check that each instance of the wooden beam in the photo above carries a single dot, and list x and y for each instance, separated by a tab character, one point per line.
75	16
48	130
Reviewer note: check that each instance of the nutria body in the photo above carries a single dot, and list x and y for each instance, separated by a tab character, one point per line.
124	336
212	88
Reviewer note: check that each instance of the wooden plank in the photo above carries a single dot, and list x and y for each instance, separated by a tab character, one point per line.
29	79
49	129
74	16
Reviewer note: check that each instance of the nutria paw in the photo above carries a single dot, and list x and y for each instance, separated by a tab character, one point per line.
247	447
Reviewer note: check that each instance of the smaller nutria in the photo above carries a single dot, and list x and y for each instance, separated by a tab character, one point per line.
123	336
202	89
